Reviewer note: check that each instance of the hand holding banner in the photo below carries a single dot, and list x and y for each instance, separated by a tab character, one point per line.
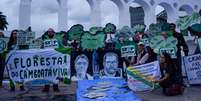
140	77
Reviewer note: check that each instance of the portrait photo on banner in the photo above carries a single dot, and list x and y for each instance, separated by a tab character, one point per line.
110	63
81	66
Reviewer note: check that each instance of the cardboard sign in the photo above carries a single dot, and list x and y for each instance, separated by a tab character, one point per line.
145	41
170	51
36	64
25	38
127	51
193	68
3	45
53	43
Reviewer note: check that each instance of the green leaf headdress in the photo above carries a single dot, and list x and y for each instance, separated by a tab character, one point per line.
110	28
75	32
139	28
93	41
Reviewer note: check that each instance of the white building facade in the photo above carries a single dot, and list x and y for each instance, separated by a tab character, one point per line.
172	8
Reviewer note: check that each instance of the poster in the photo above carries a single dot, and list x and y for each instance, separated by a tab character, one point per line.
3	44
145	41
140	77
36	64
127	51
193	68
110	64
170	51
52	43
81	68
25	37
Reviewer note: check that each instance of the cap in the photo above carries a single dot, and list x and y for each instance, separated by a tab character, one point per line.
141	43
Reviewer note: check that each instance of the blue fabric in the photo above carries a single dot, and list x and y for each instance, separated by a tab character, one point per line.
112	95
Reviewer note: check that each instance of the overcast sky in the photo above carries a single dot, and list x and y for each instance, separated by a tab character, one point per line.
44	14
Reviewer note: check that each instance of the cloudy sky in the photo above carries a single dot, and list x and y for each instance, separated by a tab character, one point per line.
44	14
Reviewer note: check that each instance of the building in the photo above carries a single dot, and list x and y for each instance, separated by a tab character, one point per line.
161	17
136	15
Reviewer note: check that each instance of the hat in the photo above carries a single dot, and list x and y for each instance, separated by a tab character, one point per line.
141	43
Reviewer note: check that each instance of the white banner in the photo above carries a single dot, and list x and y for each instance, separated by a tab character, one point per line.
29	65
127	51
140	77
193	68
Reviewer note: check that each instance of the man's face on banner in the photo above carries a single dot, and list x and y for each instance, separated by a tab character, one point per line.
81	65
110	63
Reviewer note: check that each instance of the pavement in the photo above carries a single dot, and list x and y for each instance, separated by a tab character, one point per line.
68	93
190	94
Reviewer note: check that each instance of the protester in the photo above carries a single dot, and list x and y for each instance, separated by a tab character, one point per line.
181	44
142	55
2	67
181	41
1	35
169	79
123	40
12	45
139	35
152	56
49	35
2	63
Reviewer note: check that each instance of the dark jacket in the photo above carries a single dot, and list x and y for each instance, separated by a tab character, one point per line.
181	42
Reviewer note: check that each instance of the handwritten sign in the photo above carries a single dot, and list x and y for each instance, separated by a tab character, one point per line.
52	43
145	41
193	68
36	64
170	51
127	51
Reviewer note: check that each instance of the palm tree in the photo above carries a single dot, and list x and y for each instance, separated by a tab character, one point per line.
3	22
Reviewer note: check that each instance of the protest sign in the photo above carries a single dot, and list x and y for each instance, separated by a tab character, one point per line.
110	64
52	43
170	51
25	37
140	77
146	41
127	51
29	65
193	68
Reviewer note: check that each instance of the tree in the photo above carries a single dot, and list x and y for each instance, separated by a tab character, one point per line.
3	22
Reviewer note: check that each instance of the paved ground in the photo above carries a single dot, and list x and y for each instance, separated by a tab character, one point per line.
190	94
68	93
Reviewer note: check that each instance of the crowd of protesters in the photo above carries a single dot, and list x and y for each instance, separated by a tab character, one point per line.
170	68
